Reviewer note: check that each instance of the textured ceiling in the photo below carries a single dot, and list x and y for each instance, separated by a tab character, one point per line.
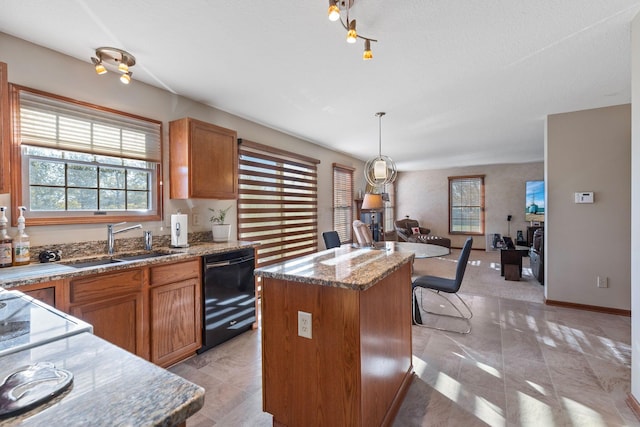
462	82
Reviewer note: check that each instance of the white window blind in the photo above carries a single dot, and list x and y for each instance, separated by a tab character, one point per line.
277	202
466	205
54	122
343	201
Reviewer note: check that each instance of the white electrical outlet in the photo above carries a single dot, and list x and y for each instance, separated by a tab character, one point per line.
196	219
304	324
602	282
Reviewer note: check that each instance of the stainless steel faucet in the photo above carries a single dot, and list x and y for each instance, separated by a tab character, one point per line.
111	234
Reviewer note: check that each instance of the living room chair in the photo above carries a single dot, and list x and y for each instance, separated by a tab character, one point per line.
404	230
331	239
440	285
362	233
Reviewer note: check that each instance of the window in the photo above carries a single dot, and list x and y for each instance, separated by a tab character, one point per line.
277	202
389	207
343	201
466	204
84	163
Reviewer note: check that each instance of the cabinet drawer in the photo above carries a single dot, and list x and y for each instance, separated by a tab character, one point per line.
171	273
105	285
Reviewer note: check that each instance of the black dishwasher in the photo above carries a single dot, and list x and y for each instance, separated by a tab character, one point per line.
228	296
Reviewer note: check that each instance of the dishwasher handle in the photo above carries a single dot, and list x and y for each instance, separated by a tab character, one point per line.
235	261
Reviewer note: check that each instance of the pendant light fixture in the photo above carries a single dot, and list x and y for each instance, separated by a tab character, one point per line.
338	8
380	170
117	59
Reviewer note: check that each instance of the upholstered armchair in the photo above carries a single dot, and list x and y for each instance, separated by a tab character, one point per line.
404	230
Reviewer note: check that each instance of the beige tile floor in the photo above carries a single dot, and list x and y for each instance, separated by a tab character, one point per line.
523	364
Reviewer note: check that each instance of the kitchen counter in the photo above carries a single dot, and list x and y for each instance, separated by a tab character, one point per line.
110	387
336	337
38	273
345	267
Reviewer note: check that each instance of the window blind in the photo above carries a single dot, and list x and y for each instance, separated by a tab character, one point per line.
466	205
342	201
55	122
277	202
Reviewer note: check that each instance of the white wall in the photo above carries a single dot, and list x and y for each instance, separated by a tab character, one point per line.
424	195
589	150
36	67
635	208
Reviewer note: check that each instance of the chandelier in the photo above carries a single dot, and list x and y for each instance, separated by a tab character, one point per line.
337	8
380	170
118	59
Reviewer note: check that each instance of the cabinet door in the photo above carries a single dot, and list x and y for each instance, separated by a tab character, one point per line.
176	321
203	160
48	292
118	320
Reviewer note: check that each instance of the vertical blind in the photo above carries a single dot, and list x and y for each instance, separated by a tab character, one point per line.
343	201
277	202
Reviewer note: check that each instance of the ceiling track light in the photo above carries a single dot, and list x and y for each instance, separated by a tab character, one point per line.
116	59
338	8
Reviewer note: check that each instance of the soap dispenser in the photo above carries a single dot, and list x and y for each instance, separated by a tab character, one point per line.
6	256
21	244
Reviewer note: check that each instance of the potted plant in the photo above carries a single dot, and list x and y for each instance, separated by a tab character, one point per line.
219	229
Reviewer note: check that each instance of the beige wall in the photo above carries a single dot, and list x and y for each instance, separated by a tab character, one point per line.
635	208
33	66
589	151
424	195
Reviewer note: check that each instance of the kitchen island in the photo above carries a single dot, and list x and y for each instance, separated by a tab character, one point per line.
355	305
111	387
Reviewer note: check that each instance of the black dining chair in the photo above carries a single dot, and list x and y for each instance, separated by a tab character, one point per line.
440	285
331	239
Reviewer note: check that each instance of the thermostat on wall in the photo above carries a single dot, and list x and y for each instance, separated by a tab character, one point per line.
584	197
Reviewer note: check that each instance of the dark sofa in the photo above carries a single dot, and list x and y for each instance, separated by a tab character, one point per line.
536	255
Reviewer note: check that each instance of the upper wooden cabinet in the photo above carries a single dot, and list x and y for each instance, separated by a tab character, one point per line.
203	160
4	130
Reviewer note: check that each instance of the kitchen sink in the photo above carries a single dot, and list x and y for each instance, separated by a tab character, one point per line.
140	256
94	263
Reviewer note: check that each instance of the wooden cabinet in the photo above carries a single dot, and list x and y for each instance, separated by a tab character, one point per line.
203	160
115	304
48	292
176	314
4	130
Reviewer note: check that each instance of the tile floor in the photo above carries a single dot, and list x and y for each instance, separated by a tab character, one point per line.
523	364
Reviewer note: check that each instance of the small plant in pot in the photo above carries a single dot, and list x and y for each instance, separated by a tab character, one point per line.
219	229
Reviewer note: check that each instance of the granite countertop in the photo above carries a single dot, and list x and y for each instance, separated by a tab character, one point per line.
110	387
37	273
344	267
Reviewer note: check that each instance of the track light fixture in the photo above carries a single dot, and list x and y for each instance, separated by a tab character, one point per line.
338	8
116	59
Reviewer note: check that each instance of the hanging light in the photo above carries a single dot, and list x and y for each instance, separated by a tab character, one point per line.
126	78
99	66
367	54
380	170
334	11
352	35
116	59
338	9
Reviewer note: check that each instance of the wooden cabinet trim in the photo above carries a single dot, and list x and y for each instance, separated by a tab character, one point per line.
111	284
5	134
169	273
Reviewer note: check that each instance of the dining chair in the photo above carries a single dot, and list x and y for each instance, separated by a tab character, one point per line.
331	239
362	233
440	286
